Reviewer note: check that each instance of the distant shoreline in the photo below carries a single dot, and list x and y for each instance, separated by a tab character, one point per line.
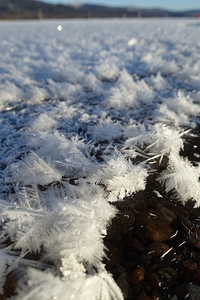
25	10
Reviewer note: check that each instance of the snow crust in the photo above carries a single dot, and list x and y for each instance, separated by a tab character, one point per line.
79	102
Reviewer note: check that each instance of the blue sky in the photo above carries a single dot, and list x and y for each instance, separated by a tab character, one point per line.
169	4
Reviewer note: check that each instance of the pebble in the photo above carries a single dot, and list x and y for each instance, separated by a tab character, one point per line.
157	248
124	285
130	258
179	291
136	276
113	254
113	231
167	214
194	292
194	239
197	276
190	266
157	228
156	282
127	219
167	272
143	296
156	296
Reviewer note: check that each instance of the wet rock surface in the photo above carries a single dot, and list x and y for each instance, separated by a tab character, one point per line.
153	246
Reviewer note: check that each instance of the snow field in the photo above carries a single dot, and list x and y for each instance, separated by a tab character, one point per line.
80	100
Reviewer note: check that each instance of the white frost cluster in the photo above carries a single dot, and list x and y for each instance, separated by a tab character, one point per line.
182	177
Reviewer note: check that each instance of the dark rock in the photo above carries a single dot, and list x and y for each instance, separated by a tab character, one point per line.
194	239
189	265
113	254
157	228
126	220
123	284
157	282
156	296
194	292
179	291
143	296
136	276
167	214
130	259
157	248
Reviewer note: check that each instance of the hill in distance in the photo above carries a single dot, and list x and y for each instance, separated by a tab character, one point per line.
31	9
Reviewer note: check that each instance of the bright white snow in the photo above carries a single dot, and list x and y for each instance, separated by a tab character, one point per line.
78	100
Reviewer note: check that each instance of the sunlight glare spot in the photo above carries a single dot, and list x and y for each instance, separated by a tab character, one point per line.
59	27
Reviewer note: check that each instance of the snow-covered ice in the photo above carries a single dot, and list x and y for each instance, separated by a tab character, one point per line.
79	101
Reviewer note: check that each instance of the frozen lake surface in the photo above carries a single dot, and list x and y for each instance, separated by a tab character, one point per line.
88	108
